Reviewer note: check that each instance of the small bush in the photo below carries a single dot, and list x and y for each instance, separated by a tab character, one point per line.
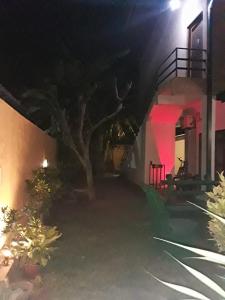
30	241
216	212
42	189
216	205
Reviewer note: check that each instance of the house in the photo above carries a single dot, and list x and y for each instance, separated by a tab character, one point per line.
23	148
183	75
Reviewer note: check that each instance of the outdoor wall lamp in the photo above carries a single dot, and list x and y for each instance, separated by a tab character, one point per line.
45	163
174	4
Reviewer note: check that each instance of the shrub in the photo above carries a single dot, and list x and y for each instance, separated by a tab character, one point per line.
34	242
42	189
216	205
29	242
213	257
206	255
216	212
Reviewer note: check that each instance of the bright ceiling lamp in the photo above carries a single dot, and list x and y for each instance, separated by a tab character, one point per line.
174	4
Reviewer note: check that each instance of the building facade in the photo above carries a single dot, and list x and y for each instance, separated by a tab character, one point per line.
184	65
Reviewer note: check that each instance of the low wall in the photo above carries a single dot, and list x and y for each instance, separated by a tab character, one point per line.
23	146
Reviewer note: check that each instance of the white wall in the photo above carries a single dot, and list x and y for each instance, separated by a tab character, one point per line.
192	152
179	151
135	168
218	46
169	31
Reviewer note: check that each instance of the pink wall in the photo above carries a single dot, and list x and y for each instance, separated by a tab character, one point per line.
160	135
23	146
165	113
164	136
220	115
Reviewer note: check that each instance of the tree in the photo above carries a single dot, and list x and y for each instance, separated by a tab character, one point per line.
122	130
81	145
73	119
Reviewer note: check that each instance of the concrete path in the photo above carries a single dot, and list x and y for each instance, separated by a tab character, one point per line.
107	250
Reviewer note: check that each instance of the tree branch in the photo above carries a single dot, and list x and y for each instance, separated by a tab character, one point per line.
83	105
67	136
60	116
128	88
105	119
115	113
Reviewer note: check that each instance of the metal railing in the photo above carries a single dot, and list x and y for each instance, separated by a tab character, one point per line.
157	173
183	62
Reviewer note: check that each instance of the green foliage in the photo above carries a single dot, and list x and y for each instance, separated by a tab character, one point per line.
121	130
30	240
216	212
206	255
159	213
216	205
42	189
71	79
10	217
34	242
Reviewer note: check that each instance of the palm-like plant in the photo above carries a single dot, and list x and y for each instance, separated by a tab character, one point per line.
216	205
210	256
217	229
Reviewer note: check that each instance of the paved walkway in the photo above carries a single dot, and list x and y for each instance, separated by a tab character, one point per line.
106	249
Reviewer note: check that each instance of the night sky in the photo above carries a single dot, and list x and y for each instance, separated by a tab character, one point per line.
36	34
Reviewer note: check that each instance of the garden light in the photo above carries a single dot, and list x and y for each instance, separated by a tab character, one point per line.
45	163
14	243
7	254
174	4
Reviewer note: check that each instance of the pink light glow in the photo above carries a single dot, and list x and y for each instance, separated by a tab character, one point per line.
220	115
163	119
164	136
166	113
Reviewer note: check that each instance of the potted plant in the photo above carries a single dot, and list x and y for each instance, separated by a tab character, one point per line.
33	246
30	241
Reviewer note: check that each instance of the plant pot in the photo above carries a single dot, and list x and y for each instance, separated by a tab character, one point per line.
31	271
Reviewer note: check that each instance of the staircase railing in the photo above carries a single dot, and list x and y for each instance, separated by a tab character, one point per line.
183	62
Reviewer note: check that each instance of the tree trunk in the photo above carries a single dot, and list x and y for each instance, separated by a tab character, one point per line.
90	180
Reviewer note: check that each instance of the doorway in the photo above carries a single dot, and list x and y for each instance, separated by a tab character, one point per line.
195	46
179	151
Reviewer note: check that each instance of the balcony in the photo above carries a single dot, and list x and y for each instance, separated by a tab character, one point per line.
184	63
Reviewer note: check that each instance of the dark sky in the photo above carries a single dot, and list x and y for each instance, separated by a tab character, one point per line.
35	34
